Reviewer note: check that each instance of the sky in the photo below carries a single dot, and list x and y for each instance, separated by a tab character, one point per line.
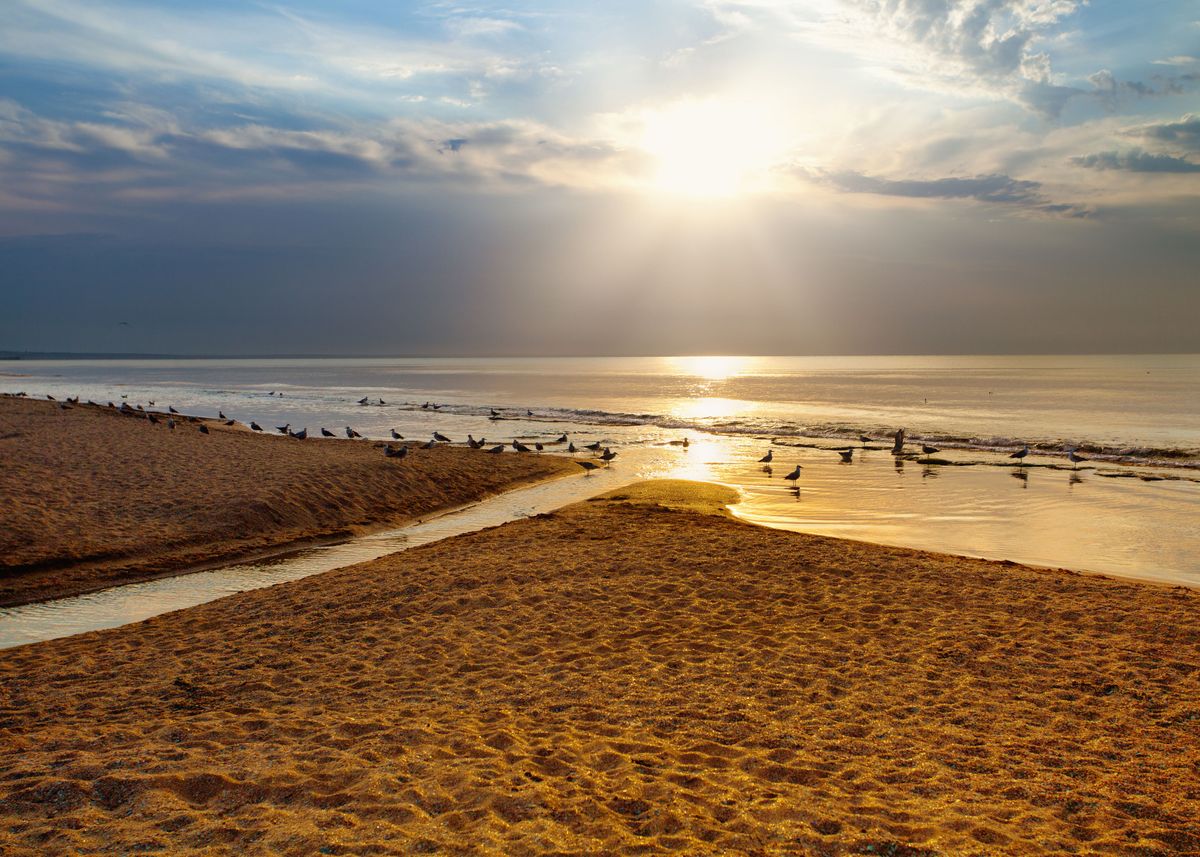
628	177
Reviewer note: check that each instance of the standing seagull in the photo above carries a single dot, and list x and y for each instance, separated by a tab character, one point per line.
300	435
396	435
441	437
1020	454
284	429
255	426
496	450
588	467
847	455
351	433
608	456
928	450
571	447
794	476
326	432
766	459
1074	457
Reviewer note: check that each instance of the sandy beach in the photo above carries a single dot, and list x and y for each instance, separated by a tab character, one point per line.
94	498
625	676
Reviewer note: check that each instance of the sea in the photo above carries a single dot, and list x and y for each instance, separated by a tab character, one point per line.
1131	509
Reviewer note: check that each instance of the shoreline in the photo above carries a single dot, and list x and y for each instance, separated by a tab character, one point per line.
102	499
637	670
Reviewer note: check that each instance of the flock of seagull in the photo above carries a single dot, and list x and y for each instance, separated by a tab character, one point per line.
603	453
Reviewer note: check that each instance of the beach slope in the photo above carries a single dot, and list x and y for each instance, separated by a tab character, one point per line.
93	498
635	674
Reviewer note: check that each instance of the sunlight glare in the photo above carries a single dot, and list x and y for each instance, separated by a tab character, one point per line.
715	147
711	367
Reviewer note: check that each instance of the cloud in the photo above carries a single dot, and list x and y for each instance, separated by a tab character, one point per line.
1176	60
1185	133
996	188
1136	161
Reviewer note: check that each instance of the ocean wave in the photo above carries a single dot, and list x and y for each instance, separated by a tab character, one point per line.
1188	457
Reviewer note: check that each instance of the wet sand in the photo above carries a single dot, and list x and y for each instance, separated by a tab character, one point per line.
625	676
93	498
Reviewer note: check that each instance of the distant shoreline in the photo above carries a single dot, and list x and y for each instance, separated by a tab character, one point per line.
19	356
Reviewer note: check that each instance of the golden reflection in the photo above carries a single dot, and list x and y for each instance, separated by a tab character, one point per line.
710	406
712	367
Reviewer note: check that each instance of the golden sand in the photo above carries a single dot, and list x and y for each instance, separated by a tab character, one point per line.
92	498
624	676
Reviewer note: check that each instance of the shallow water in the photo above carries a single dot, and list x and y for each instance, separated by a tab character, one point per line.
1045	514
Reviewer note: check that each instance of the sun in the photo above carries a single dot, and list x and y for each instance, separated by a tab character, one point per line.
713	147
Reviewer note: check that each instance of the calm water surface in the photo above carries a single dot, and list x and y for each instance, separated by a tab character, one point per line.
1131	511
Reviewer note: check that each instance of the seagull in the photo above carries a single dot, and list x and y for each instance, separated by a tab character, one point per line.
685	443
847	455
284	429
520	447
396	435
766	459
1020	454
594	447
230	422
326	432
794	476
562	439
351	433
441	437
588	467
203	428
382	402
495	413
363	400
300	435
1074	457
255	426
395	453
571	447
430	445
425	406
609	455
929	450
864	438
220	414
170	408
898	446
496	450
529	413
151	401
51	398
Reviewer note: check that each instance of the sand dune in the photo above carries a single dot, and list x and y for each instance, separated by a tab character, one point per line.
93	498
622	677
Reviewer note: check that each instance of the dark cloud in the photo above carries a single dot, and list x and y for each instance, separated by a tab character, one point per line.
1136	162
1185	133
994	188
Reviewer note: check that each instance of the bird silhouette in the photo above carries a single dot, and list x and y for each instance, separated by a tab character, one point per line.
1074	457
929	450
588	467
300	435
608	455
766	459
1020	454
203	429
396	435
284	429
326	432
847	455
794	476
496	450
441	437
255	426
